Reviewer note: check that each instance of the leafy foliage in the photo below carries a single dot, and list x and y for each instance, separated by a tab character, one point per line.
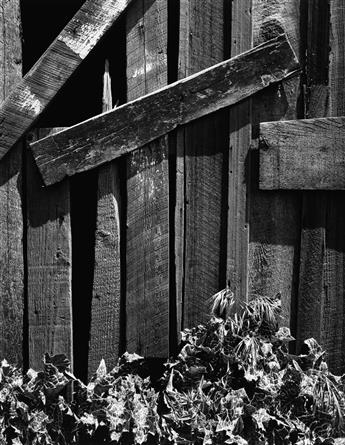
233	382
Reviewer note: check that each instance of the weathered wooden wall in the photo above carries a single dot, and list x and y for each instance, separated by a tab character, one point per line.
183	217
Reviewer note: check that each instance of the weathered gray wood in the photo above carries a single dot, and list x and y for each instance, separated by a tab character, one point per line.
201	152
313	232
40	85
306	154
321	293
147	235
240	143
106	296
49	265
333	328
274	217
137	123
11	210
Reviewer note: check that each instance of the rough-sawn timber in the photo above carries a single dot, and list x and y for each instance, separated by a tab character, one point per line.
40	85
306	154
112	134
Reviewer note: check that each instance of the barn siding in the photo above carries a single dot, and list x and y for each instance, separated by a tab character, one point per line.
185	216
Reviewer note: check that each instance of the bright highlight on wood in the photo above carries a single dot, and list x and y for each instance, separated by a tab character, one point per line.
110	135
41	84
306	154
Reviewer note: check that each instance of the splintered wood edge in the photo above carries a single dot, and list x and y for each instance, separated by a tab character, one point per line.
34	92
74	150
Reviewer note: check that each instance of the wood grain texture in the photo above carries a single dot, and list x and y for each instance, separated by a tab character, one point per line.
274	217
40	85
322	241
49	265
106	302
313	232
240	143
110	135
106	298
333	333
305	154
11	214
200	155
147	240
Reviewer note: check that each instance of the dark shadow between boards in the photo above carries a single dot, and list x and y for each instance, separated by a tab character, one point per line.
79	99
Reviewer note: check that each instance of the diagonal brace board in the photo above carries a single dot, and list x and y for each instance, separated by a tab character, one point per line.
306	154
40	85
133	125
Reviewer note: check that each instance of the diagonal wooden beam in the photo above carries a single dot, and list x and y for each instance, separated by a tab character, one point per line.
34	92
306	154
133	125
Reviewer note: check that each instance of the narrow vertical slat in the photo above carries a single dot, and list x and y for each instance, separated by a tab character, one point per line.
106	298
240	142
201	157
274	217
333	334
321	303
311	279
11	204
106	295
147	240
49	265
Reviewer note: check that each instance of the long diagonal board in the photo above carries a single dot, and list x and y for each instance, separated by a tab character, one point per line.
112	134
306	154
41	84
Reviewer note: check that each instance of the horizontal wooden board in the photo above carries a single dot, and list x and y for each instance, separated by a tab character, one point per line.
110	135
34	92
304	154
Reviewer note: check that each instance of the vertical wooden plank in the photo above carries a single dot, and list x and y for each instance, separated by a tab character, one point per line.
274	217
240	142
310	300
201	165
105	315
49	264
106	297
147	240
333	334
323	242
11	214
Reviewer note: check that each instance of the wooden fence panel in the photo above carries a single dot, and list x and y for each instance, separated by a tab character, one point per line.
11	209
321	291
274	217
49	265
147	242
226	229
201	176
